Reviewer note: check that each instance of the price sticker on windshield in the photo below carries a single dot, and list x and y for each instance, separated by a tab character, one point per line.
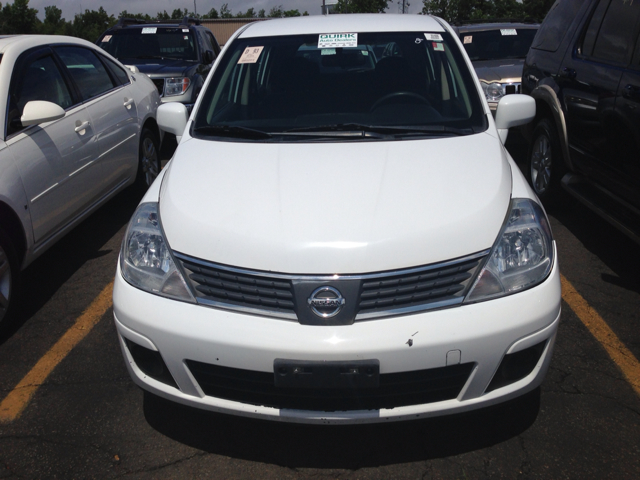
338	40
468	39
250	55
106	39
508	31
434	37
149	29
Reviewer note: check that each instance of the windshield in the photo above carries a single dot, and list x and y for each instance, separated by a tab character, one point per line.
175	43
498	44
389	83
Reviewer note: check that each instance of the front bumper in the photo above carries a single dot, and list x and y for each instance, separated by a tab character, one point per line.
479	335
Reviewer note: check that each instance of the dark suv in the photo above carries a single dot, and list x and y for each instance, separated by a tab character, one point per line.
176	56
583	69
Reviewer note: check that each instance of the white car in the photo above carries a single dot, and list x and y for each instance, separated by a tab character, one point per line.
78	127
340	240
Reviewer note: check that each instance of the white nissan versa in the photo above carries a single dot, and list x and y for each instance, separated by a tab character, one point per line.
341	236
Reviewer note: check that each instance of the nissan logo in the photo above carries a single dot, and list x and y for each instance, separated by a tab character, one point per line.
326	302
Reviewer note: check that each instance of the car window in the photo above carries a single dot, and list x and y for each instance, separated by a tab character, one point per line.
151	43
498	44
40	79
214	44
87	71
611	32
555	24
279	83
117	70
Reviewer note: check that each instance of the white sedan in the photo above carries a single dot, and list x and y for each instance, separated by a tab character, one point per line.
78	128
341	236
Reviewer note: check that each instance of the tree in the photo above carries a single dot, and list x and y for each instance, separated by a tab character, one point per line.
213	13
163	15
225	11
462	10
291	13
361	6
261	13
276	12
18	18
90	24
250	13
179	14
53	23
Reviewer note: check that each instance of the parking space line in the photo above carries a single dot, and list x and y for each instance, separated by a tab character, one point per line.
15	403
621	355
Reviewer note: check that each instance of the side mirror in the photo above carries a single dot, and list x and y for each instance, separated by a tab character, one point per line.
514	110
172	117
209	57
38	111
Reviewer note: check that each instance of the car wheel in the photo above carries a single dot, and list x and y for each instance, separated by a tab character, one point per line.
545	164
9	273
149	163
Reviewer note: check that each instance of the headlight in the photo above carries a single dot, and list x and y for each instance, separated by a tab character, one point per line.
145	259
522	256
493	91
176	86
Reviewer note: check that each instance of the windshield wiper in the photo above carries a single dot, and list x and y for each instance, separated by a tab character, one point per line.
366	130
232	131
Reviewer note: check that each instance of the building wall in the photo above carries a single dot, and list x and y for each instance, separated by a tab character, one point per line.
223	28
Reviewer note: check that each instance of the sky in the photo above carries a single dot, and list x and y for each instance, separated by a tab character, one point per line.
152	7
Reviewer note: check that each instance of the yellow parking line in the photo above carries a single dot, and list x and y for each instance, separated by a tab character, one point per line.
620	354
14	404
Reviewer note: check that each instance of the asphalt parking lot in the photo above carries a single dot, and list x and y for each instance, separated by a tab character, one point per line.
86	419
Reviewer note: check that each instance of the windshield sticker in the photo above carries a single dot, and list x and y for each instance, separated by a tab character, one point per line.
438	47
337	40
328	51
250	55
186	37
434	37
468	39
185	30
508	31
149	29
365	53
106	38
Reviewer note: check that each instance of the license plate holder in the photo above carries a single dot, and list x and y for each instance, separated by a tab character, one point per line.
331	374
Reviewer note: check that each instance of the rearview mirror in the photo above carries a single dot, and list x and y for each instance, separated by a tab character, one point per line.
514	110
38	111
172	118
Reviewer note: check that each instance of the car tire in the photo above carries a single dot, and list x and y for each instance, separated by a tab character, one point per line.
9	275
149	159
545	162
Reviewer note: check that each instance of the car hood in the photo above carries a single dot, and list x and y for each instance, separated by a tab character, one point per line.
160	68
508	70
326	208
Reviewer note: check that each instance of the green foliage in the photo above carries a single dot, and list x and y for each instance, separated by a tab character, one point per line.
163	15
18	18
462	10
360	6
250	13
225	11
213	13
53	23
90	24
178	14
276	12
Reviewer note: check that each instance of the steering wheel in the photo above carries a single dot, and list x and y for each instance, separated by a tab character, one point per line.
390	96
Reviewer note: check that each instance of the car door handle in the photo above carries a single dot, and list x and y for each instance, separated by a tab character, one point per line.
569	73
128	102
82	126
631	92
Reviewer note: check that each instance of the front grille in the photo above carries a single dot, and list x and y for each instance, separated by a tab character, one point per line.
395	390
217	285
368	296
413	289
159	83
511	88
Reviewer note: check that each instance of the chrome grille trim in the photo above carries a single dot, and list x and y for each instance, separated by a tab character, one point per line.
326	278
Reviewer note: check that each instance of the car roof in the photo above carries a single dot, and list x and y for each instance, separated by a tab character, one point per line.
342	24
24	42
481	27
